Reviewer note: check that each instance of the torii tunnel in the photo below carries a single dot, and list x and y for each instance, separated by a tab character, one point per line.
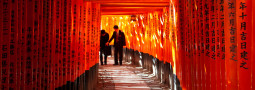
185	44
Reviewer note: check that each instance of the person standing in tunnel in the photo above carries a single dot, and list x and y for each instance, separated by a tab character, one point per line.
119	42
103	48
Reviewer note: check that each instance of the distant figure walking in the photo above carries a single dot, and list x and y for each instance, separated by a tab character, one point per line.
103	48
119	42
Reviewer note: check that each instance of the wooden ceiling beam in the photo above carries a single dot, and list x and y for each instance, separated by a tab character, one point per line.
126	1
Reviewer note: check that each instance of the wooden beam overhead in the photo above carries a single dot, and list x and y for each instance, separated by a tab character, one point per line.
135	4
125	1
130	7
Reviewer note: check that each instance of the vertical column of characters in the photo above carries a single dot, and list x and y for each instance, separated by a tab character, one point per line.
188	68
18	43
13	45
78	10
57	47
97	32
84	37
66	43
87	42
73	38
202	39
193	49
198	45
68	62
244	42
35	51
80	64
23	28
91	37
6	4
45	59
94	30
62	26
93	41
89	23
30	46
98	29
48	31
207	44
221	49
41	45
52	44
77	38
185	45
78	49
212	42
192	45
231	44
217	45
189	45
202	42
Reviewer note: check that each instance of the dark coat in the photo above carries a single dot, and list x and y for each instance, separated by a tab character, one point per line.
121	38
103	40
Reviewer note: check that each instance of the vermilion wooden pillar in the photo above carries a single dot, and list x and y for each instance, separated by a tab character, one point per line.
253	45
217	45
244	42
212	41
41	44
222	50
6	23
36	72
231	45
13	45
207	59
1	31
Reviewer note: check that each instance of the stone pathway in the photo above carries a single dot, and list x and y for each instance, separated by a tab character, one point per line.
126	77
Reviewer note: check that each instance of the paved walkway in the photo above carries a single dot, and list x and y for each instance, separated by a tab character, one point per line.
126	77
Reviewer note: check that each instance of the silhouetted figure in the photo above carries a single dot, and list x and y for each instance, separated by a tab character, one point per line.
119	42
103	48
